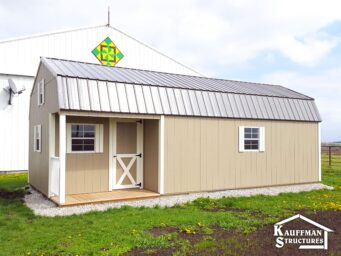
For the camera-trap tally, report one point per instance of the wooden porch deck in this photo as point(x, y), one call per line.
point(106, 197)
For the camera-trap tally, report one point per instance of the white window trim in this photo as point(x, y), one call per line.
point(41, 91)
point(36, 131)
point(261, 139)
point(99, 131)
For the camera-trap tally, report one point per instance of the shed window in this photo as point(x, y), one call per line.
point(37, 138)
point(41, 92)
point(83, 138)
point(251, 139)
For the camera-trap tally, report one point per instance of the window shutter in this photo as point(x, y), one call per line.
point(262, 139)
point(68, 138)
point(99, 138)
point(241, 138)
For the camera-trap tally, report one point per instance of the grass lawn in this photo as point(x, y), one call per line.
point(118, 231)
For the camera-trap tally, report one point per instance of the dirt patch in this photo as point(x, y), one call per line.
point(159, 231)
point(152, 252)
point(225, 209)
point(17, 194)
point(261, 242)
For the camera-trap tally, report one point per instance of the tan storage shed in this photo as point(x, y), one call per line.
point(96, 129)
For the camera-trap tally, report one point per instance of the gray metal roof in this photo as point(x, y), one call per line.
point(91, 87)
point(145, 77)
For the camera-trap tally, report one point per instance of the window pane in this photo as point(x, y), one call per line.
point(77, 134)
point(37, 144)
point(90, 128)
point(255, 130)
point(89, 141)
point(89, 147)
point(77, 142)
point(77, 148)
point(247, 130)
point(77, 127)
point(88, 134)
point(247, 147)
point(247, 135)
point(254, 135)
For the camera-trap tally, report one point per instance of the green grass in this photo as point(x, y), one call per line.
point(12, 182)
point(116, 231)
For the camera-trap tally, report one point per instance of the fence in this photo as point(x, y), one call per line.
point(331, 154)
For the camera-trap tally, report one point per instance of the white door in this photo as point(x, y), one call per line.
point(127, 154)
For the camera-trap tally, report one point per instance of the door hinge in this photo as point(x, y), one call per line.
point(139, 121)
point(139, 155)
point(139, 184)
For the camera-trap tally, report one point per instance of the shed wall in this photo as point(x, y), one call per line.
point(202, 154)
point(88, 172)
point(150, 154)
point(39, 161)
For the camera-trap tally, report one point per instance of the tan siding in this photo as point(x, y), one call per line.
point(150, 154)
point(202, 154)
point(88, 172)
point(39, 161)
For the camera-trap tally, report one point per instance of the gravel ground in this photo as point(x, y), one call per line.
point(44, 207)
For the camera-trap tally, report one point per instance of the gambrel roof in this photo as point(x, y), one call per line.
point(91, 87)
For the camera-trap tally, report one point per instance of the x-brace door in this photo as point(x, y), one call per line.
point(127, 154)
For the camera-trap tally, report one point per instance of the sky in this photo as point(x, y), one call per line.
point(292, 43)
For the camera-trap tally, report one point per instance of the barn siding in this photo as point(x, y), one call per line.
point(202, 154)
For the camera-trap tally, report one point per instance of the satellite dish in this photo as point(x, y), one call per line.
point(13, 90)
point(12, 86)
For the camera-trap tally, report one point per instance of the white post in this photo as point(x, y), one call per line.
point(319, 152)
point(51, 148)
point(112, 153)
point(161, 153)
point(62, 154)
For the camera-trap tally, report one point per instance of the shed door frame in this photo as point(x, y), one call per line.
point(113, 152)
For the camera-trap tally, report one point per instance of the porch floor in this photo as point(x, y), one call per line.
point(105, 197)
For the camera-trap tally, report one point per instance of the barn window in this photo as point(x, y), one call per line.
point(41, 92)
point(251, 139)
point(84, 138)
point(37, 138)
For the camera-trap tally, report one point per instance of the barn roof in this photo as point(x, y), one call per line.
point(91, 87)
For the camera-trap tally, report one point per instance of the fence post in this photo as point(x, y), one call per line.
point(330, 156)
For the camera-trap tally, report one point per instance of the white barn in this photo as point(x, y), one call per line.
point(19, 61)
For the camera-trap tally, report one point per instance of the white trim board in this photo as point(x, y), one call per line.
point(62, 156)
point(161, 181)
point(319, 152)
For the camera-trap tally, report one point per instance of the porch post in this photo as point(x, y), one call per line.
point(161, 153)
point(52, 138)
point(62, 152)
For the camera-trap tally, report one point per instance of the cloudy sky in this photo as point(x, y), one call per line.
point(292, 43)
